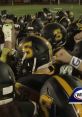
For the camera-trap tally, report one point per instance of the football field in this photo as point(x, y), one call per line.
point(31, 9)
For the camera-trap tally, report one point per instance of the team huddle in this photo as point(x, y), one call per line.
point(40, 59)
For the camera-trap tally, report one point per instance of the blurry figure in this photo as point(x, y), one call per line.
point(33, 55)
point(73, 30)
point(53, 1)
point(62, 18)
point(55, 33)
point(9, 106)
point(70, 15)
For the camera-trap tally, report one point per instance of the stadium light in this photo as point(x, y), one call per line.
point(50, 1)
point(58, 2)
point(79, 2)
point(12, 2)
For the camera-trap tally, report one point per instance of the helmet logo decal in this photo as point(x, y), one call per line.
point(58, 34)
point(27, 48)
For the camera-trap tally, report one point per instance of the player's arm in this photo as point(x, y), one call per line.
point(63, 56)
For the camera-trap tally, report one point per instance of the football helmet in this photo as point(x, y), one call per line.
point(65, 22)
point(44, 17)
point(4, 12)
point(79, 23)
point(36, 53)
point(59, 15)
point(35, 26)
point(70, 15)
point(76, 26)
point(48, 13)
point(7, 82)
point(46, 10)
point(73, 29)
point(41, 15)
point(28, 18)
point(55, 33)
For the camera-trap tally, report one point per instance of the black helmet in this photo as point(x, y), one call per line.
point(56, 34)
point(46, 10)
point(48, 13)
point(70, 15)
point(41, 15)
point(36, 52)
point(60, 14)
point(3, 12)
point(37, 25)
point(29, 18)
point(75, 27)
point(79, 23)
point(7, 82)
point(65, 22)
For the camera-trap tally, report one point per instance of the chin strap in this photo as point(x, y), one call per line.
point(34, 65)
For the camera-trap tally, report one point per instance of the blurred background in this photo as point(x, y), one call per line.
point(22, 7)
point(39, 1)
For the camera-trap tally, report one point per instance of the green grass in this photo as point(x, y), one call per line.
point(31, 9)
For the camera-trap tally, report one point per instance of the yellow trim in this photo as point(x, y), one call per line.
point(69, 91)
point(62, 19)
point(17, 87)
point(45, 101)
point(28, 44)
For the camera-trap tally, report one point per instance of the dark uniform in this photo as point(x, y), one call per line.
point(9, 106)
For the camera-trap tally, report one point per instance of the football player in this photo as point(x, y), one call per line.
point(9, 105)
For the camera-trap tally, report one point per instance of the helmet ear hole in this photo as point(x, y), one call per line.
point(37, 24)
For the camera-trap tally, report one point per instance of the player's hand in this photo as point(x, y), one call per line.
point(78, 37)
point(63, 56)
